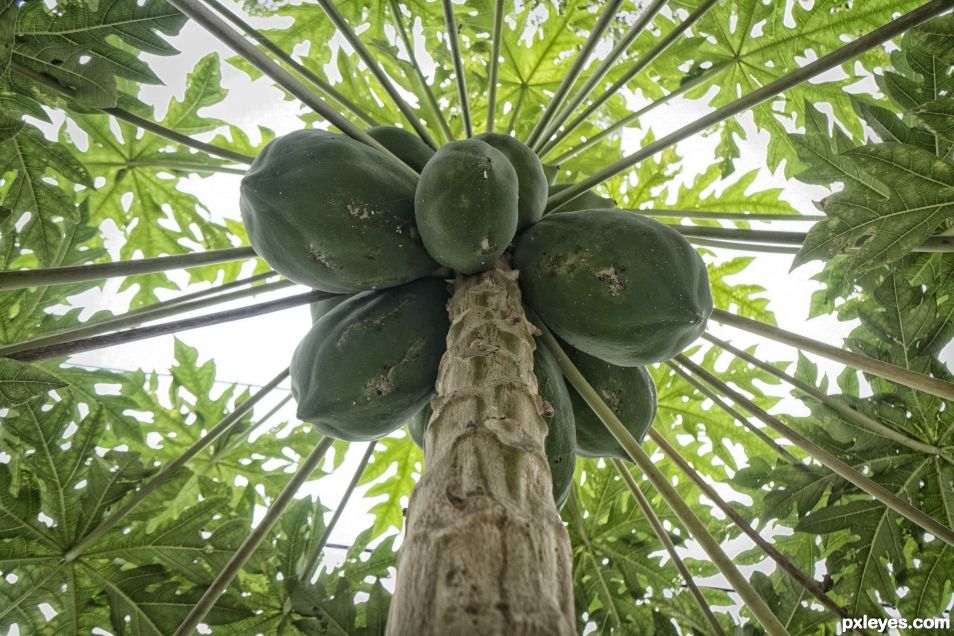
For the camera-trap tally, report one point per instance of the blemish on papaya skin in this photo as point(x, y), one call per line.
point(360, 210)
point(384, 383)
point(378, 386)
point(369, 324)
point(612, 279)
point(612, 399)
point(317, 257)
point(566, 263)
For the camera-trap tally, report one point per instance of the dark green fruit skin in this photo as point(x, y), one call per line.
point(560, 443)
point(628, 391)
point(407, 146)
point(416, 425)
point(614, 284)
point(333, 214)
point(371, 362)
point(321, 307)
point(466, 205)
point(531, 179)
point(589, 200)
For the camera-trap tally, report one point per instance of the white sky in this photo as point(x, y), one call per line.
point(252, 351)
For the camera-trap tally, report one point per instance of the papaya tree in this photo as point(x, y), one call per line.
point(538, 334)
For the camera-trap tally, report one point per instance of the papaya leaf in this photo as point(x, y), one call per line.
point(79, 26)
point(32, 195)
point(920, 200)
point(406, 457)
point(937, 37)
point(8, 21)
point(21, 382)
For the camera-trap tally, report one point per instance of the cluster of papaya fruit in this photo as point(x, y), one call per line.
point(339, 215)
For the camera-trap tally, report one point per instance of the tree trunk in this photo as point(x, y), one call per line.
point(485, 552)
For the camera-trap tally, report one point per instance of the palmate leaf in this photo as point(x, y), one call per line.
point(79, 26)
point(615, 566)
point(8, 21)
point(407, 459)
point(60, 489)
point(682, 410)
point(937, 38)
point(142, 197)
point(905, 323)
point(783, 39)
point(920, 200)
point(27, 312)
point(790, 603)
point(194, 402)
point(34, 195)
point(823, 153)
point(20, 382)
point(91, 82)
point(144, 602)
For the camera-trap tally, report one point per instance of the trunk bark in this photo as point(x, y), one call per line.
point(485, 552)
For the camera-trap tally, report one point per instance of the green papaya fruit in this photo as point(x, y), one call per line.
point(614, 284)
point(371, 362)
point(332, 213)
point(589, 200)
point(628, 391)
point(466, 205)
point(560, 443)
point(417, 424)
point(321, 307)
point(531, 178)
point(404, 144)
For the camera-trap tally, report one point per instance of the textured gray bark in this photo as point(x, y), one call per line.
point(485, 551)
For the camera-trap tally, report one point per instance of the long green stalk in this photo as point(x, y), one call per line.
point(800, 577)
point(203, 293)
point(137, 317)
point(345, 29)
point(166, 328)
point(731, 216)
point(277, 51)
point(684, 88)
point(237, 42)
point(851, 415)
point(24, 278)
point(644, 20)
point(436, 110)
point(763, 615)
point(644, 60)
point(521, 98)
point(741, 419)
point(172, 468)
point(664, 539)
point(836, 465)
point(607, 13)
point(308, 570)
point(880, 368)
point(743, 247)
point(253, 541)
point(494, 65)
point(452, 41)
point(130, 118)
point(237, 440)
point(170, 164)
point(940, 243)
point(759, 95)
